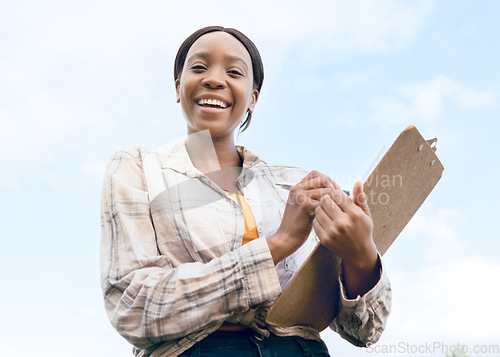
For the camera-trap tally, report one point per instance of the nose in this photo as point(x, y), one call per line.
point(213, 80)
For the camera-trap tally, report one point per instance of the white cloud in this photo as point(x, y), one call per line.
point(37, 127)
point(320, 31)
point(442, 292)
point(354, 26)
point(447, 299)
point(437, 231)
point(425, 102)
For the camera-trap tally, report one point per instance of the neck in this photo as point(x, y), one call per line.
point(211, 154)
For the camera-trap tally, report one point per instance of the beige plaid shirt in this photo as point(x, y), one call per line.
point(172, 265)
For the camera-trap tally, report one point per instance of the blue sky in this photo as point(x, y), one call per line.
point(80, 80)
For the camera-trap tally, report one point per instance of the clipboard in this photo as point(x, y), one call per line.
point(395, 190)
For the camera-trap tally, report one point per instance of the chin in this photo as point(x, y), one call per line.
point(216, 129)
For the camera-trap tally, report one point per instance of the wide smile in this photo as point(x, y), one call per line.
point(213, 104)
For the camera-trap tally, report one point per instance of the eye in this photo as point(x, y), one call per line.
point(198, 68)
point(235, 73)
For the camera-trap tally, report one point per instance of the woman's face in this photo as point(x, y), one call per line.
point(216, 85)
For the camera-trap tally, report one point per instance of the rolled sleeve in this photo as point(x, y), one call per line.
point(362, 320)
point(260, 278)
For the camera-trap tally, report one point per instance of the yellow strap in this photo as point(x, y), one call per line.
point(250, 225)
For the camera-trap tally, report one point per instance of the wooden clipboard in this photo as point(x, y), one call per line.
point(395, 190)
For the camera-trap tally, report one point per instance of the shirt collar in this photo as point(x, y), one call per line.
point(176, 157)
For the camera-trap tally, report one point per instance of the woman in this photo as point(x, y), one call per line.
point(200, 238)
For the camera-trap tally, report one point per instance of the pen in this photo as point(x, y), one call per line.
point(288, 185)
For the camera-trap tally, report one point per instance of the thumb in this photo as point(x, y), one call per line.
point(360, 198)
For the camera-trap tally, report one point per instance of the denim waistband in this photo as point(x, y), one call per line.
point(249, 343)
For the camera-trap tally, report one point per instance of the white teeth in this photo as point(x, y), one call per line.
point(212, 102)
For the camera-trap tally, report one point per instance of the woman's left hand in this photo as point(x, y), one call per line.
point(344, 226)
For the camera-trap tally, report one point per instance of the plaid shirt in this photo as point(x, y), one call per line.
point(172, 265)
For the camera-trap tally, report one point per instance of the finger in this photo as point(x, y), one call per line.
point(318, 181)
point(326, 228)
point(343, 201)
point(309, 176)
point(330, 207)
point(303, 200)
point(359, 198)
point(337, 187)
point(319, 229)
point(317, 193)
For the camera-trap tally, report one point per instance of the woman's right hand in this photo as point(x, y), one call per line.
point(303, 199)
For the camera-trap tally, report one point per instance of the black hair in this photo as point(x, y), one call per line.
point(257, 66)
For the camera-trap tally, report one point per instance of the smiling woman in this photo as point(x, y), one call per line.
point(216, 86)
point(256, 67)
point(199, 239)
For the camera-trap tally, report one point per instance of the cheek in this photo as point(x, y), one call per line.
point(185, 86)
point(245, 94)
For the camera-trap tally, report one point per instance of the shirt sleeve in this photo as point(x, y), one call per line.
point(147, 299)
point(361, 321)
